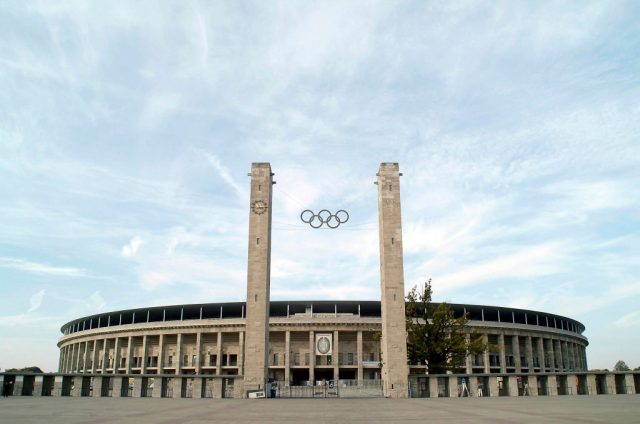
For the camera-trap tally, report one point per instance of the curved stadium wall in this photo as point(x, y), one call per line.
point(208, 339)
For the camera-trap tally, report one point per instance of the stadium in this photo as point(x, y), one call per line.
point(264, 348)
point(205, 344)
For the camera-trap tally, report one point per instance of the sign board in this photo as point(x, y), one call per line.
point(324, 344)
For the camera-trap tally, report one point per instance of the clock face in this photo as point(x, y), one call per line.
point(258, 207)
point(324, 345)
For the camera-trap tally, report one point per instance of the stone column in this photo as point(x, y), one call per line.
point(529, 355)
point(63, 358)
point(515, 347)
point(160, 355)
point(145, 342)
point(137, 387)
point(611, 384)
point(179, 354)
point(591, 384)
point(394, 342)
point(287, 358)
point(39, 380)
point(217, 388)
point(56, 390)
point(540, 347)
point(197, 387)
point(433, 387)
point(453, 386)
point(258, 278)
point(485, 340)
point(312, 358)
point(77, 386)
point(130, 356)
point(219, 354)
point(559, 356)
point(241, 353)
point(494, 390)
point(117, 386)
point(334, 357)
point(177, 387)
point(97, 386)
point(75, 360)
point(199, 355)
point(94, 357)
point(17, 385)
point(468, 362)
point(105, 357)
point(360, 358)
point(628, 381)
point(116, 357)
point(85, 361)
point(533, 385)
point(572, 384)
point(503, 355)
point(552, 355)
point(473, 385)
point(513, 385)
point(552, 385)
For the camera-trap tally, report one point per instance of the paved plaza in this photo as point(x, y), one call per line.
point(582, 409)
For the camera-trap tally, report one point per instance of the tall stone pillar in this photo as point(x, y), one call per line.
point(145, 346)
point(258, 278)
point(105, 357)
point(179, 354)
point(515, 348)
point(199, 354)
point(529, 354)
point(287, 358)
point(485, 340)
point(219, 353)
point(116, 355)
point(160, 354)
point(394, 334)
point(94, 359)
point(360, 357)
point(312, 358)
point(335, 355)
point(503, 354)
point(129, 354)
point(550, 349)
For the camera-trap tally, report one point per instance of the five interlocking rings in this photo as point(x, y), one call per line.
point(324, 217)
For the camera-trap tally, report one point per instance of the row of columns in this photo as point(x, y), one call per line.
point(555, 384)
point(75, 357)
point(569, 356)
point(523, 385)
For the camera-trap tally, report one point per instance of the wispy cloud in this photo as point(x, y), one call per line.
point(35, 301)
point(130, 249)
point(630, 320)
point(39, 268)
point(224, 173)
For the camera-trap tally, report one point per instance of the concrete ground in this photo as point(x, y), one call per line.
point(562, 409)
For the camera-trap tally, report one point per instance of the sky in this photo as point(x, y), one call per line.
point(127, 130)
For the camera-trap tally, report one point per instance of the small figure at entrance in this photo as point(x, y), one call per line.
point(480, 386)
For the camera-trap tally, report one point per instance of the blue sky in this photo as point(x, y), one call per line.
point(127, 130)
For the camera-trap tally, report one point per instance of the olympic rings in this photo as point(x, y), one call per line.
point(324, 217)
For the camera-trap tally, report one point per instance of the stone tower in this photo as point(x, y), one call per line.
point(394, 338)
point(258, 278)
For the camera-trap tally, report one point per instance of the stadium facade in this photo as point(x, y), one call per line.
point(313, 348)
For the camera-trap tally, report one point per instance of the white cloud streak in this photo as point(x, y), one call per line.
point(35, 301)
point(39, 268)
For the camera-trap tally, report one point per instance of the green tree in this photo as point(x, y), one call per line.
point(436, 337)
point(621, 366)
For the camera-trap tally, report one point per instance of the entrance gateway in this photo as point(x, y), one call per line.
point(394, 371)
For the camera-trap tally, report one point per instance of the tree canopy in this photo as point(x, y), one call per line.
point(621, 366)
point(435, 336)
